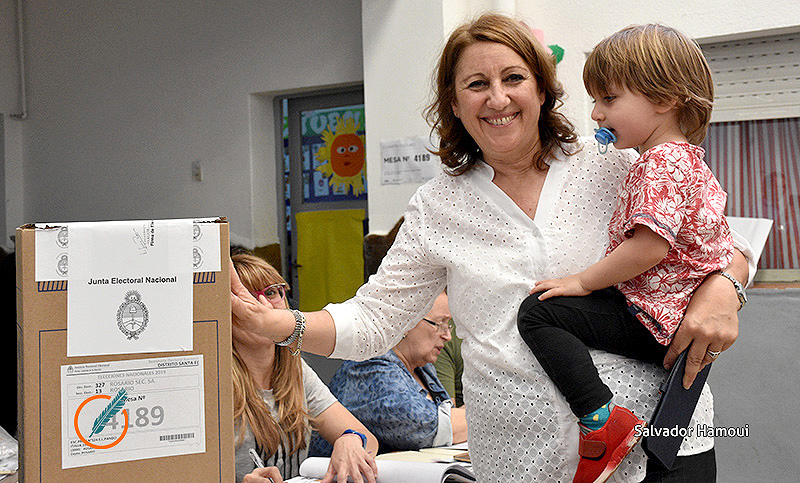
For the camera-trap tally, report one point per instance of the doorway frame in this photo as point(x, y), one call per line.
point(302, 101)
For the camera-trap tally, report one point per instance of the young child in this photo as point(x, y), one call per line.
point(653, 91)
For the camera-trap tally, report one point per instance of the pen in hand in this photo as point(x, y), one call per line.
point(258, 462)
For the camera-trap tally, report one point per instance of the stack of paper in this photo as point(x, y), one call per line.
point(394, 471)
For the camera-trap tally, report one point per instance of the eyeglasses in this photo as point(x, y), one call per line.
point(273, 293)
point(441, 327)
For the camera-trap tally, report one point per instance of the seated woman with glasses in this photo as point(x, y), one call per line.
point(277, 399)
point(398, 396)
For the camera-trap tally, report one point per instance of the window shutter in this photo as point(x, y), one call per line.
point(755, 78)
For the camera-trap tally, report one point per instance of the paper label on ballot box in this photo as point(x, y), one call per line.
point(130, 287)
point(131, 410)
point(130, 282)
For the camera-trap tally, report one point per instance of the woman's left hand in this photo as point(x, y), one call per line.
point(349, 458)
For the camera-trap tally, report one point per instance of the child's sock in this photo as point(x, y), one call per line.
point(595, 419)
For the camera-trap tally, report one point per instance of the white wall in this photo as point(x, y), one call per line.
point(401, 40)
point(10, 134)
point(409, 37)
point(123, 96)
point(8, 48)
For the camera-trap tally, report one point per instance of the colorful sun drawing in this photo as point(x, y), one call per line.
point(343, 153)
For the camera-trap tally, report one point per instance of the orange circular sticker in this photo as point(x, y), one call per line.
point(99, 446)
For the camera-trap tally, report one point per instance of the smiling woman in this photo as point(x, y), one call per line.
point(523, 64)
point(498, 101)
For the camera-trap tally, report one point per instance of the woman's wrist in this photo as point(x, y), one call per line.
point(740, 293)
point(362, 436)
point(721, 290)
point(716, 295)
point(739, 267)
point(280, 325)
point(299, 327)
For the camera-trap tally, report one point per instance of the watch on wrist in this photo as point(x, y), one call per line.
point(736, 284)
point(362, 436)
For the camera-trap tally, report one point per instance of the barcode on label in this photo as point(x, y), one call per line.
point(175, 437)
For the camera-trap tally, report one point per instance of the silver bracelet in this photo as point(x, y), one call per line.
point(299, 327)
point(296, 352)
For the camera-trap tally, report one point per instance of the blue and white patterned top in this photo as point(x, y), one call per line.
point(383, 395)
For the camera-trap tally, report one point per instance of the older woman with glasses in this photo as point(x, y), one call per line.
point(398, 396)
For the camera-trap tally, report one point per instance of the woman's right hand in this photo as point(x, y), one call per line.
point(263, 475)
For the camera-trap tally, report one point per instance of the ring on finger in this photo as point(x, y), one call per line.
point(713, 354)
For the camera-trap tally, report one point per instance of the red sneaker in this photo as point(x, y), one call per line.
point(602, 451)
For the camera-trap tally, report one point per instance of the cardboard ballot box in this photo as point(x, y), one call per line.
point(113, 412)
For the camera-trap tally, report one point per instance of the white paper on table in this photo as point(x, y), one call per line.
point(399, 471)
point(129, 287)
point(459, 446)
point(408, 160)
point(163, 407)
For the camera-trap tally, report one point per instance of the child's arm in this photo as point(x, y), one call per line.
point(643, 250)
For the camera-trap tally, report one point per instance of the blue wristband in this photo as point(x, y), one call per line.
point(363, 437)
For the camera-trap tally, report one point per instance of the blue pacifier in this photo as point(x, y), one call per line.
point(604, 137)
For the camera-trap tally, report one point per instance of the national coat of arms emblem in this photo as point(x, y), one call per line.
point(132, 315)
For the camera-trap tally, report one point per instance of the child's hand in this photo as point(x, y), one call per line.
point(566, 287)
